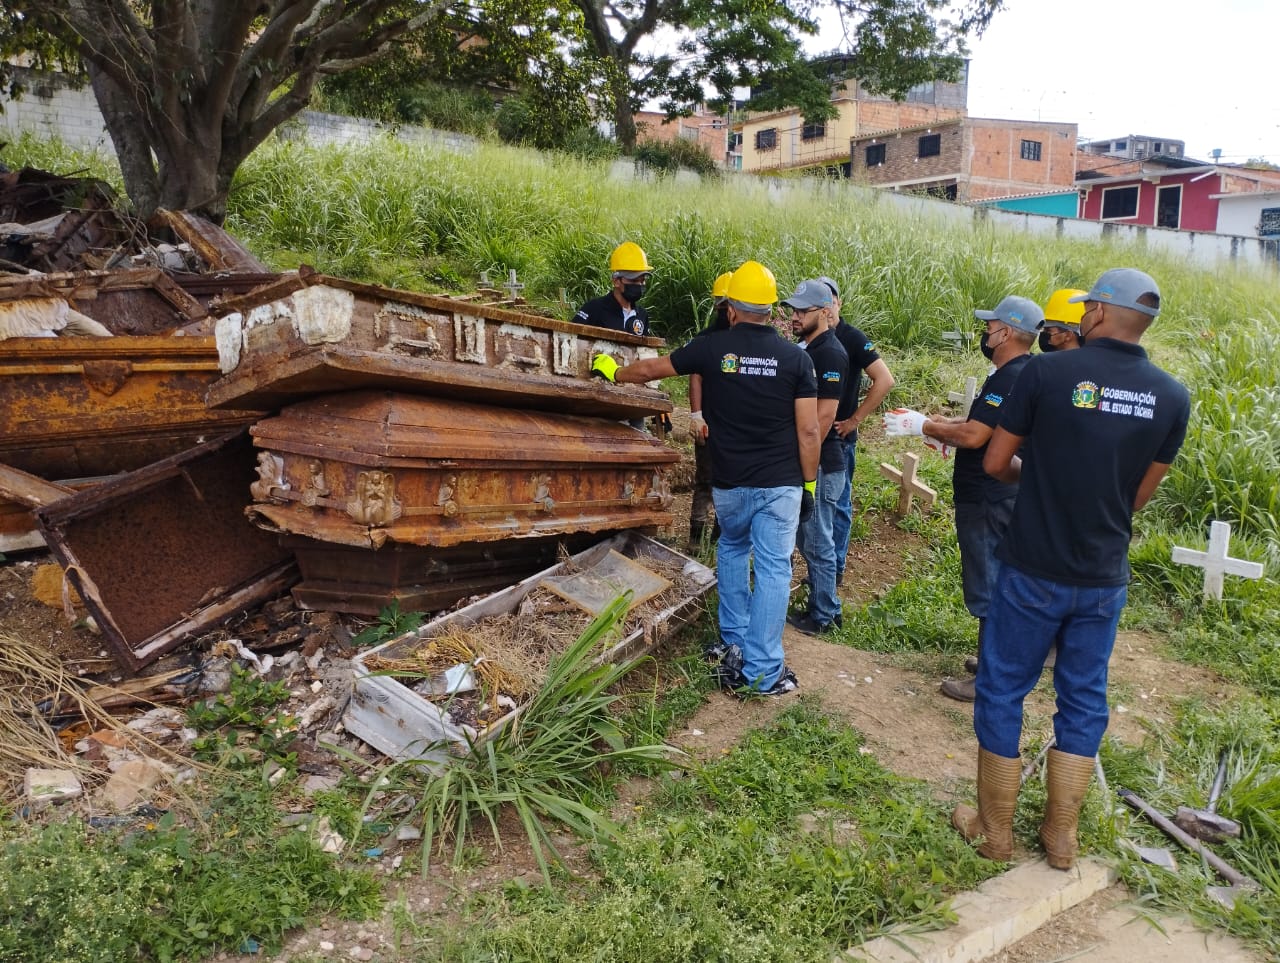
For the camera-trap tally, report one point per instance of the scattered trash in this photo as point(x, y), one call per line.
point(43, 787)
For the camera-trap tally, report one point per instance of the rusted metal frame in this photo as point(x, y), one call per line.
point(451, 508)
point(289, 284)
point(321, 367)
point(111, 349)
point(30, 491)
point(212, 244)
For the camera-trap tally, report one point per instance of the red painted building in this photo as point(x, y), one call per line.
point(1166, 192)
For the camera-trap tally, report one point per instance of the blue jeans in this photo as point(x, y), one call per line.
point(817, 545)
point(1027, 615)
point(759, 522)
point(980, 526)
point(842, 524)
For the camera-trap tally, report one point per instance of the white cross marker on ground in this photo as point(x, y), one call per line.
point(513, 286)
point(908, 483)
point(1215, 562)
point(965, 398)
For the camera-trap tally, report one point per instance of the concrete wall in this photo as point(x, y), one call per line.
point(1240, 213)
point(53, 109)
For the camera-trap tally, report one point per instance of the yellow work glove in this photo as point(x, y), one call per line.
point(807, 499)
point(603, 366)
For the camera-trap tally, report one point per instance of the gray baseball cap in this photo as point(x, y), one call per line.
point(835, 288)
point(1020, 313)
point(808, 295)
point(1122, 287)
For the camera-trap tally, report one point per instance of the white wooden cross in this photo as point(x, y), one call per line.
point(909, 485)
point(1215, 562)
point(965, 398)
point(513, 286)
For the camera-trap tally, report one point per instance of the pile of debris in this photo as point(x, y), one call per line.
point(193, 445)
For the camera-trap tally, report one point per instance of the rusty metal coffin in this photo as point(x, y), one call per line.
point(369, 467)
point(310, 334)
point(165, 553)
point(86, 406)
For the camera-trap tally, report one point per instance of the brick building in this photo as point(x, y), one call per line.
point(781, 140)
point(709, 130)
point(968, 158)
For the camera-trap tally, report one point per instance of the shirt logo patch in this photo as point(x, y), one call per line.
point(637, 326)
point(729, 364)
point(1085, 395)
point(993, 399)
point(831, 376)
point(868, 346)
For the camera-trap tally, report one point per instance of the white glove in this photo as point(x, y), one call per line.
point(901, 422)
point(698, 425)
point(940, 447)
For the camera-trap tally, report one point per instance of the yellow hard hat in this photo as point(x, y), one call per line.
point(752, 283)
point(721, 288)
point(628, 256)
point(1061, 311)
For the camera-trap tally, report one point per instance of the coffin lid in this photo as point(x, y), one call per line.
point(368, 427)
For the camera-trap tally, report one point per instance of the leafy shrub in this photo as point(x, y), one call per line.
point(448, 108)
point(669, 156)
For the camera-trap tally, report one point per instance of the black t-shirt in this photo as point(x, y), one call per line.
point(831, 365)
point(969, 482)
point(751, 378)
point(862, 355)
point(1094, 420)
point(606, 312)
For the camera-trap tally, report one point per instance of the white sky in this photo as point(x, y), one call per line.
point(1202, 72)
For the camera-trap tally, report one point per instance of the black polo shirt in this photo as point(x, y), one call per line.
point(606, 312)
point(969, 483)
point(751, 378)
point(1094, 421)
point(862, 355)
point(831, 365)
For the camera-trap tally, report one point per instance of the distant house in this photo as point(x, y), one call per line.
point(709, 130)
point(1253, 214)
point(968, 158)
point(1061, 203)
point(1136, 147)
point(1172, 192)
point(782, 141)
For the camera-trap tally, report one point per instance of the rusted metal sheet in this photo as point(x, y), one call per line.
point(217, 249)
point(164, 553)
point(310, 334)
point(54, 223)
point(19, 494)
point(369, 467)
point(340, 578)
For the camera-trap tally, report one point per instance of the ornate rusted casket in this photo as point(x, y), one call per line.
point(309, 334)
point(454, 497)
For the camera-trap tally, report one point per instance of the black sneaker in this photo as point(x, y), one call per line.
point(808, 624)
point(715, 652)
point(728, 671)
point(787, 682)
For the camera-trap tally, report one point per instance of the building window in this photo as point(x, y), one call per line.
point(1120, 145)
point(875, 154)
point(767, 139)
point(813, 131)
point(1269, 222)
point(930, 145)
point(1031, 150)
point(735, 140)
point(1157, 147)
point(1119, 202)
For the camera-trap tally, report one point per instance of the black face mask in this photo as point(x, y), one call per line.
point(984, 345)
point(632, 293)
point(1045, 343)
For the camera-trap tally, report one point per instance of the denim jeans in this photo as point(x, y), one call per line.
point(818, 547)
point(1027, 614)
point(979, 527)
point(759, 522)
point(842, 524)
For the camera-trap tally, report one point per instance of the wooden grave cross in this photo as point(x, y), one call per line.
point(513, 287)
point(965, 398)
point(909, 485)
point(1215, 562)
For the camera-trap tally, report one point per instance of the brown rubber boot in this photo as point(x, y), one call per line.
point(961, 690)
point(1067, 777)
point(999, 779)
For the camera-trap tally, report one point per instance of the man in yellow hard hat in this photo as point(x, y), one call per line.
point(620, 309)
point(700, 512)
point(759, 398)
point(1061, 331)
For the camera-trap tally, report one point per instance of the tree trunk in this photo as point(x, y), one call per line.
point(624, 118)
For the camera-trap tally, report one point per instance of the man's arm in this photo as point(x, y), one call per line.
point(826, 414)
point(808, 435)
point(1001, 461)
point(881, 384)
point(1150, 481)
point(958, 434)
point(648, 369)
